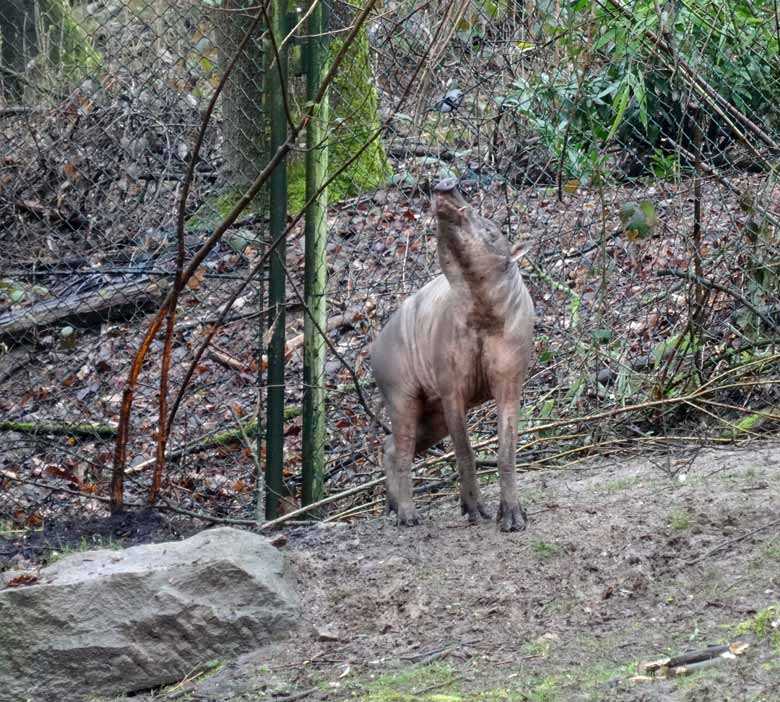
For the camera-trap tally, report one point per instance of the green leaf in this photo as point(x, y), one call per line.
point(640, 93)
point(647, 208)
point(639, 219)
point(607, 37)
point(748, 423)
point(547, 409)
point(16, 295)
point(240, 240)
point(620, 104)
point(603, 336)
point(667, 345)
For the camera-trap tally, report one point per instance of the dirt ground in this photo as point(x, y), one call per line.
point(624, 561)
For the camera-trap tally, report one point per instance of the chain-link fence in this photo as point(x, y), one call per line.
point(627, 150)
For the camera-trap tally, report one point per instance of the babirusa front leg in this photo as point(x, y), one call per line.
point(511, 516)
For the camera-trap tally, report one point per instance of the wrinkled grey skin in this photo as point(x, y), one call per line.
point(466, 337)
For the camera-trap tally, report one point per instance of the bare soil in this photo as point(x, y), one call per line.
point(624, 561)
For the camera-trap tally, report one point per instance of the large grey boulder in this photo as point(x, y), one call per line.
point(109, 622)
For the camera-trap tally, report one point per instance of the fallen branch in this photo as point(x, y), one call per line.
point(347, 319)
point(110, 302)
point(321, 503)
point(91, 431)
point(167, 507)
point(8, 475)
point(212, 439)
point(226, 360)
point(403, 150)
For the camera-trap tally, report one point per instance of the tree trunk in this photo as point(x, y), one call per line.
point(19, 45)
point(243, 116)
point(353, 118)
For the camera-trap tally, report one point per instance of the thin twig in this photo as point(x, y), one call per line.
point(705, 282)
point(731, 542)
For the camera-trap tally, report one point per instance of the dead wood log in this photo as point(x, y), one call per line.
point(212, 439)
point(90, 431)
point(227, 360)
point(402, 150)
point(115, 301)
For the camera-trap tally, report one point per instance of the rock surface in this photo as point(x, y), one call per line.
point(109, 622)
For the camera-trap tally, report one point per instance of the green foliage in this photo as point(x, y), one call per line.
point(748, 424)
point(680, 520)
point(665, 166)
point(765, 625)
point(14, 292)
point(771, 551)
point(614, 84)
point(216, 206)
point(423, 683)
point(544, 551)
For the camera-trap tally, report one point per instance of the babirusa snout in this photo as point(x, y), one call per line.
point(446, 186)
point(450, 206)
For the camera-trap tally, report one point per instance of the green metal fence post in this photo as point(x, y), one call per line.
point(277, 78)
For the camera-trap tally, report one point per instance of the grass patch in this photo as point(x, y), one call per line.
point(540, 648)
point(93, 543)
point(771, 551)
point(542, 690)
point(680, 520)
point(765, 625)
point(613, 487)
point(441, 682)
point(9, 528)
point(544, 551)
point(437, 682)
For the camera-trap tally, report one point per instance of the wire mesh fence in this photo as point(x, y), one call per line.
point(627, 151)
